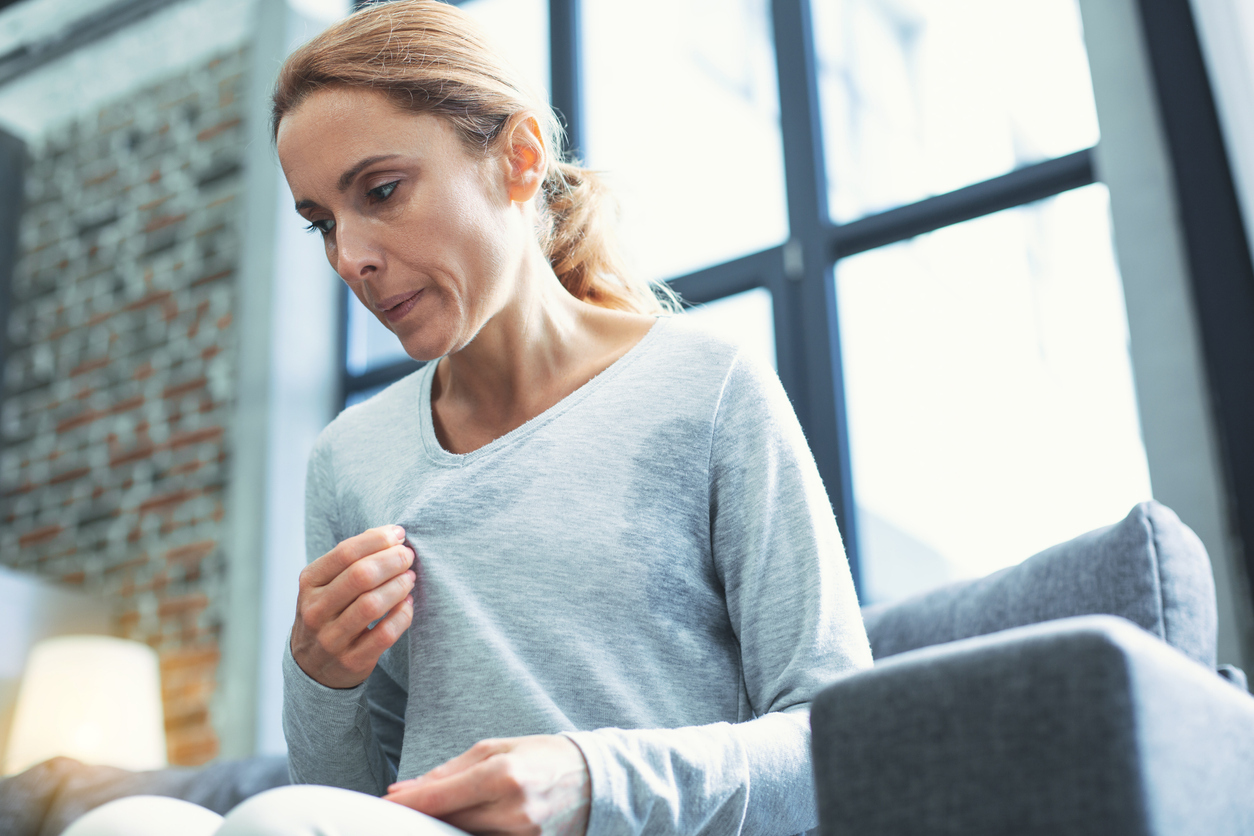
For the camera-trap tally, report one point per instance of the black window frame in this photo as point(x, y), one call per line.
point(799, 273)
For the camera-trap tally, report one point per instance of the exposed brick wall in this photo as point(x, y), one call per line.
point(119, 389)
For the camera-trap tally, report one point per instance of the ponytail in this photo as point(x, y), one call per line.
point(578, 217)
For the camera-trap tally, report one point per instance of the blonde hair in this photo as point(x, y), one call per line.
point(430, 57)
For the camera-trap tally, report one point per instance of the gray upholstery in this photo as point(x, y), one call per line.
point(1080, 726)
point(1150, 569)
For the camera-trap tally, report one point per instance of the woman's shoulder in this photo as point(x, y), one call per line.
point(742, 370)
point(691, 348)
point(384, 408)
point(685, 341)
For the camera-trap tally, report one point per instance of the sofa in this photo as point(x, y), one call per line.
point(1074, 693)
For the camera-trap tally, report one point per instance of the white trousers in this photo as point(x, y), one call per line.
point(300, 810)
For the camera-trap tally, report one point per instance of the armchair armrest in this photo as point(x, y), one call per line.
point(1081, 726)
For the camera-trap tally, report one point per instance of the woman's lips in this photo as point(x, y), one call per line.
point(397, 312)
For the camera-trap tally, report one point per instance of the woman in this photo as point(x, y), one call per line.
point(578, 574)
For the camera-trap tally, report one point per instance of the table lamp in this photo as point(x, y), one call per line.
point(93, 698)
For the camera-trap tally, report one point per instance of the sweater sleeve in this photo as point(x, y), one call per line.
point(350, 737)
point(792, 605)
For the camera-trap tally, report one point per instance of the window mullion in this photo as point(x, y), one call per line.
point(566, 71)
point(806, 322)
point(1024, 185)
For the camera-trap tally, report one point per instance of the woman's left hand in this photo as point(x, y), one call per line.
point(507, 785)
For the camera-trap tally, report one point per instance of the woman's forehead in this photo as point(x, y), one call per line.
point(335, 124)
point(348, 108)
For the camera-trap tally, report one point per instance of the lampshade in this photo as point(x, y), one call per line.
point(93, 698)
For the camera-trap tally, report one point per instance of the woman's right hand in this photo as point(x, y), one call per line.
point(363, 579)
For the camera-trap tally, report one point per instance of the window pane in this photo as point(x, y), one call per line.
point(925, 96)
point(520, 30)
point(683, 114)
point(747, 319)
point(990, 394)
point(370, 345)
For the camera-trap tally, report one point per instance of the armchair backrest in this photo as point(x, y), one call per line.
point(1150, 568)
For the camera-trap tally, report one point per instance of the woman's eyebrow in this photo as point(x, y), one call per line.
point(346, 179)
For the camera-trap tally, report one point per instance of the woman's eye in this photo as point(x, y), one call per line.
point(383, 192)
point(321, 226)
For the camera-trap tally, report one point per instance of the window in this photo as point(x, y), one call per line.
point(915, 242)
point(911, 109)
point(991, 407)
point(689, 137)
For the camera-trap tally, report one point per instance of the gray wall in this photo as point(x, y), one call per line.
point(1172, 391)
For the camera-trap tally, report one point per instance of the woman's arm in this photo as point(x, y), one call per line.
point(726, 778)
point(791, 602)
point(342, 710)
point(336, 737)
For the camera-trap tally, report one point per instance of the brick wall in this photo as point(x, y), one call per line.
point(116, 417)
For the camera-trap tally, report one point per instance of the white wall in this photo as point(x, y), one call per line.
point(1226, 29)
point(1172, 392)
point(289, 312)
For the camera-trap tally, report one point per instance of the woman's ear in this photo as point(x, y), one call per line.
point(527, 158)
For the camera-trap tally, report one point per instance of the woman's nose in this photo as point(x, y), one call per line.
point(356, 256)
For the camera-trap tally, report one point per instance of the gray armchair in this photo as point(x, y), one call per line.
point(1028, 703)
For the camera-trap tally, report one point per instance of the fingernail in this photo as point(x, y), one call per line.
point(398, 532)
point(409, 600)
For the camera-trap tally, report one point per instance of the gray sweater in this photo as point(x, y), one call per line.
point(650, 567)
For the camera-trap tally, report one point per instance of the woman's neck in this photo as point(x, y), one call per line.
point(541, 346)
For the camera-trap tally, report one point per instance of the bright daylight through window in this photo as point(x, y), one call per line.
point(988, 389)
point(683, 115)
point(991, 408)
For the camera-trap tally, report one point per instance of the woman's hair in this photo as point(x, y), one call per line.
point(429, 57)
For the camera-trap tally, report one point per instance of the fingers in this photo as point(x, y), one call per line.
point(341, 619)
point(364, 580)
point(368, 574)
point(374, 604)
point(331, 565)
point(481, 783)
point(478, 753)
point(521, 784)
point(363, 655)
point(372, 580)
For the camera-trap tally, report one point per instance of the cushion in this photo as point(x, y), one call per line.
point(1150, 569)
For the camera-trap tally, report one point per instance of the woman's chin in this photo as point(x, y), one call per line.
point(425, 356)
point(424, 349)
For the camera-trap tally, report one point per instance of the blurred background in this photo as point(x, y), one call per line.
point(998, 253)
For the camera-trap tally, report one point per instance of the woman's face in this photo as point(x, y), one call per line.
point(423, 230)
